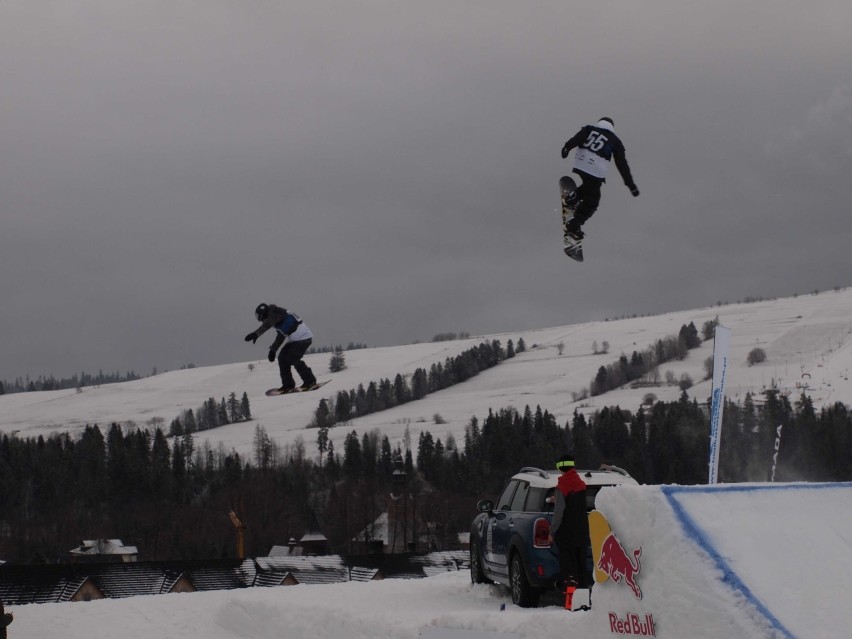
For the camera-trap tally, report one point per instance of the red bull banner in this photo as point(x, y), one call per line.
point(721, 346)
point(621, 566)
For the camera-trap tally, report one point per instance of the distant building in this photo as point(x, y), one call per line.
point(104, 549)
point(292, 549)
point(399, 529)
point(87, 581)
point(312, 543)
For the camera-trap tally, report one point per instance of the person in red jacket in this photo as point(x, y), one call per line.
point(596, 145)
point(570, 529)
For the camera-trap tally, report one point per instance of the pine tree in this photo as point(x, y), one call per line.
point(419, 384)
point(222, 413)
point(234, 415)
point(612, 436)
point(370, 452)
point(585, 451)
point(337, 362)
point(387, 397)
point(401, 392)
point(245, 409)
point(322, 442)
point(211, 413)
point(385, 458)
point(425, 454)
point(361, 404)
point(116, 461)
point(636, 460)
point(322, 415)
point(342, 407)
point(160, 467)
point(263, 449)
point(92, 462)
point(600, 384)
point(189, 423)
point(352, 461)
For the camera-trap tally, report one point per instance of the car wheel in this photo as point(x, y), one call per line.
point(523, 594)
point(477, 574)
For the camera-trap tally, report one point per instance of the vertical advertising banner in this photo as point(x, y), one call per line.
point(721, 346)
point(775, 454)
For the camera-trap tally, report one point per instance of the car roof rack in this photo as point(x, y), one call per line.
point(614, 469)
point(535, 471)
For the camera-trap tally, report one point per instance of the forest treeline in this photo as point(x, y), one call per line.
point(212, 414)
point(49, 382)
point(170, 497)
point(640, 363)
point(383, 394)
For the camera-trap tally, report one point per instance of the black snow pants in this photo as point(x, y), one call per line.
point(291, 355)
point(589, 195)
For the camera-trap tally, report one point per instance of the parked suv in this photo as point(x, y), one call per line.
point(509, 542)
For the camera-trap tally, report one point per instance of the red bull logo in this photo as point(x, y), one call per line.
point(619, 565)
point(632, 624)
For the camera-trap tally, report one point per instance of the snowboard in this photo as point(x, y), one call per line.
point(573, 248)
point(274, 391)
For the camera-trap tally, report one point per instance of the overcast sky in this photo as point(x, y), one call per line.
point(389, 170)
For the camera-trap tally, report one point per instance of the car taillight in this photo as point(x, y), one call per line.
point(541, 533)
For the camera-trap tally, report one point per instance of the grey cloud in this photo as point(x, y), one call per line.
point(389, 170)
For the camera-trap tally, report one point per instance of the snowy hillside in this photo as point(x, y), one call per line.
point(806, 340)
point(710, 555)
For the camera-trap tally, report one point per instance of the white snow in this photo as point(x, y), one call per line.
point(745, 561)
point(732, 561)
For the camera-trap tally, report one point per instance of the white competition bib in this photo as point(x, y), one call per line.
point(590, 162)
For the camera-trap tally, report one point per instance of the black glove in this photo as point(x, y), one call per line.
point(634, 191)
point(271, 356)
point(251, 337)
point(565, 150)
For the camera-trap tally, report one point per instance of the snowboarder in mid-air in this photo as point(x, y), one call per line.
point(596, 145)
point(290, 327)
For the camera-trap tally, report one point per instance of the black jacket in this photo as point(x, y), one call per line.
point(605, 144)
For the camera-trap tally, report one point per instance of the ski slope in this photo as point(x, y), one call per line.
point(732, 561)
point(739, 561)
point(806, 340)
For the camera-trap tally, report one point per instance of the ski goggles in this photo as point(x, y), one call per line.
point(564, 465)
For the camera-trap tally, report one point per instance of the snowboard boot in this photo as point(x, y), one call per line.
point(308, 386)
point(569, 597)
point(571, 200)
point(286, 389)
point(573, 230)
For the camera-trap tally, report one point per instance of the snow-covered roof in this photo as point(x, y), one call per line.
point(313, 536)
point(104, 547)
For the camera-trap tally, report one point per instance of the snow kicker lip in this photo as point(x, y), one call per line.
point(697, 534)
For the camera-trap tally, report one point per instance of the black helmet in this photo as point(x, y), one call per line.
point(565, 463)
point(261, 312)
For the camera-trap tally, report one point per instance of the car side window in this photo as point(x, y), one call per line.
point(591, 493)
point(506, 498)
point(520, 497)
point(549, 501)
